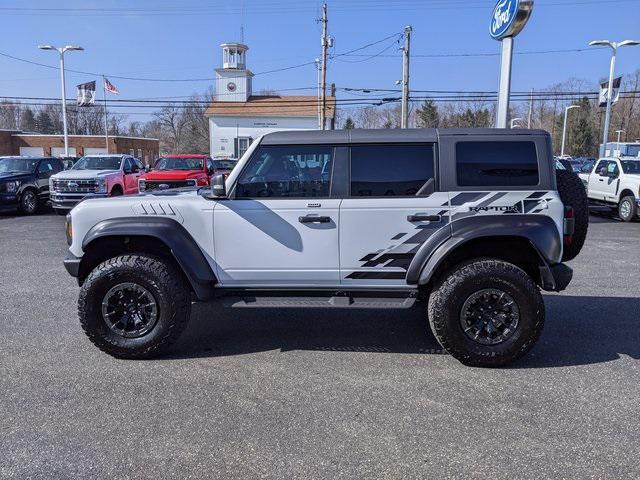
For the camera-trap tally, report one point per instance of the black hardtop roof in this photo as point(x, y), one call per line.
point(413, 135)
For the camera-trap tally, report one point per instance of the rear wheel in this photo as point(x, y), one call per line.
point(486, 313)
point(134, 306)
point(628, 208)
point(573, 194)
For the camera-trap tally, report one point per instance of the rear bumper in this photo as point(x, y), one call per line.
point(72, 264)
point(555, 278)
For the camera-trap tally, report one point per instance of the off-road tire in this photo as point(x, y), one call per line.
point(29, 202)
point(632, 208)
point(573, 194)
point(450, 293)
point(161, 279)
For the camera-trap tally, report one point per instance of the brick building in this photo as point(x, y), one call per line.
point(14, 142)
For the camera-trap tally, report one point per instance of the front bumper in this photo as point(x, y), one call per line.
point(72, 264)
point(66, 201)
point(9, 202)
point(555, 278)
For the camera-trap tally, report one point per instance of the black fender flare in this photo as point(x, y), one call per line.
point(184, 248)
point(540, 230)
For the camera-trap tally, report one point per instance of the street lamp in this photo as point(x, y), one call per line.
point(514, 120)
point(61, 51)
point(614, 49)
point(564, 126)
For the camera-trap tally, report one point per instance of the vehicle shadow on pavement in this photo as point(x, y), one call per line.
point(578, 331)
point(586, 330)
point(219, 330)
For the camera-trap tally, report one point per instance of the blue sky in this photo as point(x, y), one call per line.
point(180, 39)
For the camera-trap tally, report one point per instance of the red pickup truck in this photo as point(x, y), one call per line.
point(181, 170)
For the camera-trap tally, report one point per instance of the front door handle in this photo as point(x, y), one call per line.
point(424, 218)
point(314, 219)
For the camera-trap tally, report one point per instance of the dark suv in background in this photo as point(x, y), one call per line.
point(24, 182)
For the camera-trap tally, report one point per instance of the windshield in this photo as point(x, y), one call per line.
point(179, 164)
point(224, 164)
point(98, 163)
point(18, 164)
point(631, 166)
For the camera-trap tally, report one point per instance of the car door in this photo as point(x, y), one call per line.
point(46, 168)
point(603, 186)
point(280, 225)
point(131, 175)
point(392, 208)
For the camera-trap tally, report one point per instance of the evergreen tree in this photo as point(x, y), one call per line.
point(43, 122)
point(349, 124)
point(581, 141)
point(427, 116)
point(28, 120)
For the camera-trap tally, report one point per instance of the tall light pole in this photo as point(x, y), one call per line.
point(614, 49)
point(62, 51)
point(514, 120)
point(564, 127)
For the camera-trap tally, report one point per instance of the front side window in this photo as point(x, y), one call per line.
point(98, 163)
point(496, 164)
point(172, 163)
point(296, 171)
point(392, 170)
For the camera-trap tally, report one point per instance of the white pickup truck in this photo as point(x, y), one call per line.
point(614, 182)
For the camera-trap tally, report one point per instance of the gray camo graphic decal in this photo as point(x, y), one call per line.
point(461, 205)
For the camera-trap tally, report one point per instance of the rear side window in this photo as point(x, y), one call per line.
point(391, 170)
point(496, 164)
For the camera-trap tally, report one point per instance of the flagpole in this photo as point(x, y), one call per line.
point(106, 125)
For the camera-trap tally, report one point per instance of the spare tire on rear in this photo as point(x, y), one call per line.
point(573, 194)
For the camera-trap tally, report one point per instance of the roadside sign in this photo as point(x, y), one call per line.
point(509, 18)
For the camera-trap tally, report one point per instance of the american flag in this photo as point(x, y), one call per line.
point(110, 87)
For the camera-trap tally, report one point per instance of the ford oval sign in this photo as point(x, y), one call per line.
point(509, 18)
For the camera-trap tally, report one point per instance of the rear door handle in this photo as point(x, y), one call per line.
point(314, 219)
point(424, 218)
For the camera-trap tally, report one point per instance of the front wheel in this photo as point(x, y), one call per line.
point(486, 313)
point(28, 202)
point(628, 208)
point(134, 306)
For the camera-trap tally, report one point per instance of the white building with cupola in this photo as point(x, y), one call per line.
point(237, 117)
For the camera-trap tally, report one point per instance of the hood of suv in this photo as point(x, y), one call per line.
point(81, 174)
point(172, 174)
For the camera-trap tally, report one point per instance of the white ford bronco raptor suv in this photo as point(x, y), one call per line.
point(471, 222)
point(614, 183)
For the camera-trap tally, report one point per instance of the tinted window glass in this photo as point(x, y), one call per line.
point(390, 170)
point(496, 164)
point(293, 171)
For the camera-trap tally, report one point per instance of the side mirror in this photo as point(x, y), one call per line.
point(210, 171)
point(147, 168)
point(218, 187)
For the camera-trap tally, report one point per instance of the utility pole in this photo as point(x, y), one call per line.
point(323, 74)
point(530, 109)
point(406, 52)
point(333, 118)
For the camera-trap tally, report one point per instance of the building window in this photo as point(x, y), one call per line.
point(242, 145)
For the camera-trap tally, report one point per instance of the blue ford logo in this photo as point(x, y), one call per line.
point(504, 15)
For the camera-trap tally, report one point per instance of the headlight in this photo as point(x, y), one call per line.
point(142, 185)
point(12, 187)
point(69, 229)
point(101, 185)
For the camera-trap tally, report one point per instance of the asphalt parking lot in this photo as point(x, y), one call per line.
point(310, 394)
